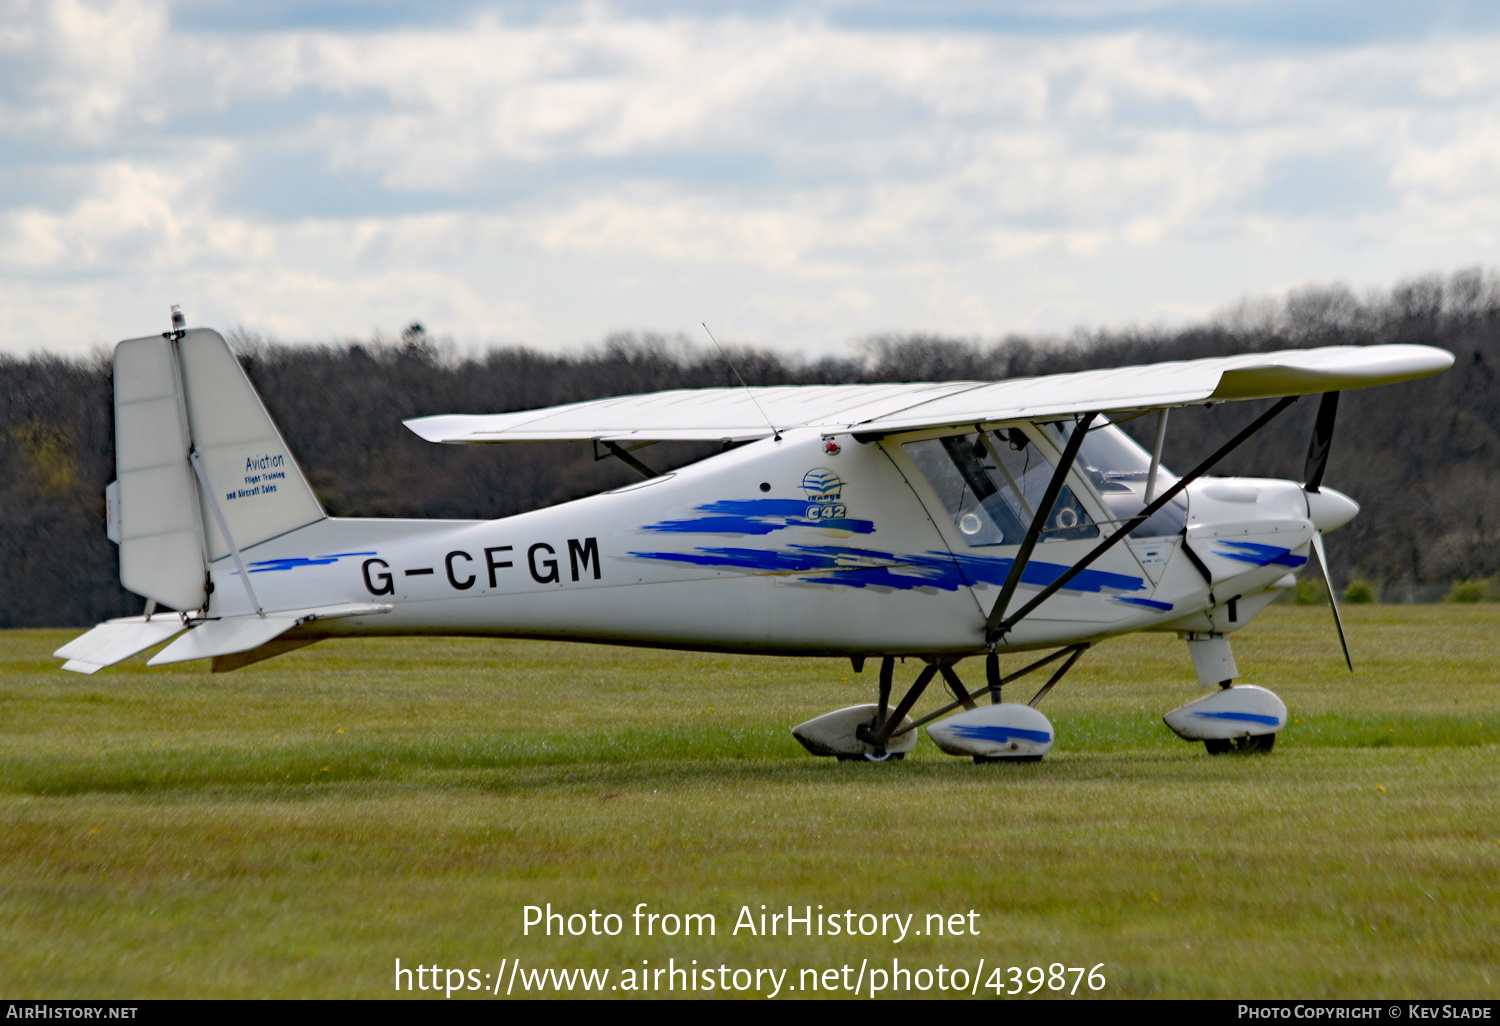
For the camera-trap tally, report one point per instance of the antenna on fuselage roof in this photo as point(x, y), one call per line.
point(775, 434)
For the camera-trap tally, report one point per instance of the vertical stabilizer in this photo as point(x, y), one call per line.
point(176, 396)
point(259, 488)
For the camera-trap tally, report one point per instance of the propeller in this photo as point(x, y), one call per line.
point(1322, 443)
point(1317, 544)
point(1326, 509)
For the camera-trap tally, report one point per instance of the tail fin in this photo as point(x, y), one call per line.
point(180, 396)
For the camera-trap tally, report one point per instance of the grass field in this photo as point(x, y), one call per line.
point(293, 828)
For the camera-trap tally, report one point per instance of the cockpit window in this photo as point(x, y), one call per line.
point(1117, 467)
point(990, 484)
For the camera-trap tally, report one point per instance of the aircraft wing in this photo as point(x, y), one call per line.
point(730, 414)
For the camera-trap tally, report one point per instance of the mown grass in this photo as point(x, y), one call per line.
point(292, 828)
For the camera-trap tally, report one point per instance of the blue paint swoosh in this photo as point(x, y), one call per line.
point(1165, 607)
point(1000, 734)
point(754, 517)
point(262, 566)
point(1240, 717)
point(1260, 555)
point(994, 570)
point(871, 568)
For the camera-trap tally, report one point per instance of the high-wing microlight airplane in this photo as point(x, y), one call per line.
point(939, 521)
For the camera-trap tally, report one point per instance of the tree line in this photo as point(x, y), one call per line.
point(1422, 458)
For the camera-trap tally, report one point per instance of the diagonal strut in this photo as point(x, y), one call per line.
point(1039, 520)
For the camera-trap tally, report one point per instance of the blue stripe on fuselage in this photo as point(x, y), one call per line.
point(293, 562)
point(754, 517)
point(867, 568)
point(1163, 607)
point(1259, 555)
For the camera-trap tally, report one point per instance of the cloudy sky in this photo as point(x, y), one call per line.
point(798, 175)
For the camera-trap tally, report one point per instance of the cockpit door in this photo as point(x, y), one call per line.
point(982, 488)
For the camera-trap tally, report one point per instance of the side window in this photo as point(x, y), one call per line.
point(990, 484)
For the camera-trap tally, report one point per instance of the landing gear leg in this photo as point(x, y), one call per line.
point(882, 717)
point(887, 671)
point(876, 732)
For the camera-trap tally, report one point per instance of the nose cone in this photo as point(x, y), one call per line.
point(1329, 509)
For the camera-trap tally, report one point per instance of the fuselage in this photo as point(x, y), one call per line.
point(810, 544)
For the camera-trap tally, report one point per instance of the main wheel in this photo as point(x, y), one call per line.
point(1252, 743)
point(1255, 743)
point(871, 757)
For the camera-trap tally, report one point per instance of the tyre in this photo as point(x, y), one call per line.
point(1256, 743)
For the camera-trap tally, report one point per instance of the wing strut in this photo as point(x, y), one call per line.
point(1156, 448)
point(994, 632)
point(1038, 521)
point(622, 454)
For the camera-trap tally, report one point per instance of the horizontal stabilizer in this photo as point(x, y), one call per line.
point(222, 637)
point(117, 640)
point(211, 638)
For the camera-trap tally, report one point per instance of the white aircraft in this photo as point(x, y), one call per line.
point(938, 521)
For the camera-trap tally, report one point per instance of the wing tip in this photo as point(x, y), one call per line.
point(1330, 369)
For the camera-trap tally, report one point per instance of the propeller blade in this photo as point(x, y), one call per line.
point(1322, 554)
point(1322, 442)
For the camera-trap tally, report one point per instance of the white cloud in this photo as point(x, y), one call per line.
point(80, 64)
point(798, 182)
